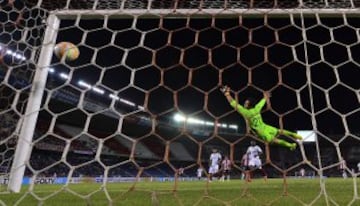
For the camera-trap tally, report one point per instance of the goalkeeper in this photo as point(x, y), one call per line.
point(253, 116)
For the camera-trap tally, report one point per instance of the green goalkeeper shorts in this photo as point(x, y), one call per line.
point(267, 132)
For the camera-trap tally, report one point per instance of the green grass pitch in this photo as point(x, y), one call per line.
point(236, 192)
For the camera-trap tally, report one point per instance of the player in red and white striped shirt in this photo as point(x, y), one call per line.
point(226, 168)
point(245, 166)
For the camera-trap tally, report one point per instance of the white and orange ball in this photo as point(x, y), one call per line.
point(66, 50)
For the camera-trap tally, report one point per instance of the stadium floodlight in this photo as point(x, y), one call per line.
point(64, 76)
point(113, 96)
point(18, 56)
point(98, 90)
point(222, 125)
point(190, 120)
point(127, 102)
point(9, 52)
point(233, 126)
point(179, 118)
point(84, 84)
point(209, 123)
point(194, 121)
point(51, 70)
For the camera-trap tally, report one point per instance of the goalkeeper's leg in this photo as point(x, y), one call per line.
point(291, 146)
point(291, 134)
point(270, 134)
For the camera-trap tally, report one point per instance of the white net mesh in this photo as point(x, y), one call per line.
point(142, 102)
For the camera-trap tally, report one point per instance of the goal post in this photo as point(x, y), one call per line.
point(24, 142)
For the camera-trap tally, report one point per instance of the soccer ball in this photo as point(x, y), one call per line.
point(66, 50)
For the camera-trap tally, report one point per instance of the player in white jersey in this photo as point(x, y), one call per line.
point(302, 172)
point(199, 172)
point(254, 152)
point(342, 168)
point(225, 168)
point(214, 160)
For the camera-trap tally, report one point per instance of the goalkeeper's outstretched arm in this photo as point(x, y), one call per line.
point(267, 96)
point(233, 103)
point(226, 91)
point(262, 102)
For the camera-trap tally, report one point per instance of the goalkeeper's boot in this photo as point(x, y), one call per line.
point(293, 146)
point(297, 136)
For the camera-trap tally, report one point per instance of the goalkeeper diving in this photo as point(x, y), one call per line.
point(253, 116)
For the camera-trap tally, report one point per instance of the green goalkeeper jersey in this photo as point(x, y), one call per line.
point(253, 115)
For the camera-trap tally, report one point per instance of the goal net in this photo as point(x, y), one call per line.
point(133, 119)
